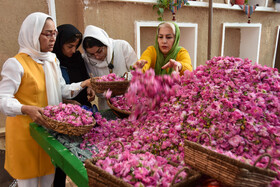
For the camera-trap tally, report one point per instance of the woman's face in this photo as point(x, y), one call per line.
point(68, 49)
point(98, 53)
point(48, 36)
point(166, 39)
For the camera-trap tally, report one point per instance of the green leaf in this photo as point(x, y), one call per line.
point(161, 10)
point(131, 68)
point(159, 13)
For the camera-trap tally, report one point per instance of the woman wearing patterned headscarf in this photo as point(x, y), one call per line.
point(30, 81)
point(166, 55)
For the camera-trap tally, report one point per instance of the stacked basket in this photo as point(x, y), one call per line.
point(117, 87)
point(66, 128)
point(227, 170)
point(99, 177)
point(120, 113)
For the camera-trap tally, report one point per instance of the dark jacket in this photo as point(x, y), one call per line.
point(73, 69)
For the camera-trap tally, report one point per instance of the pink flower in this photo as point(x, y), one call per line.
point(69, 113)
point(109, 170)
point(108, 94)
point(235, 141)
point(165, 144)
point(235, 102)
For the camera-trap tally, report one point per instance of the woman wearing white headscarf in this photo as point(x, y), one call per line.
point(30, 81)
point(104, 55)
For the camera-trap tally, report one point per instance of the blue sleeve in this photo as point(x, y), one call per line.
point(65, 74)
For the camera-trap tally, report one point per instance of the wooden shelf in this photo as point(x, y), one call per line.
point(2, 131)
point(276, 58)
point(241, 40)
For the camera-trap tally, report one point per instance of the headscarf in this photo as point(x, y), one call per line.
point(65, 32)
point(74, 65)
point(172, 54)
point(102, 36)
point(28, 40)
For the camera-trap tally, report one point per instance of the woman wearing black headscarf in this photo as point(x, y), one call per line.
point(73, 69)
point(72, 64)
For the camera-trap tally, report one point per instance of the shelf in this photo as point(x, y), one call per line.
point(276, 58)
point(2, 131)
point(202, 3)
point(241, 40)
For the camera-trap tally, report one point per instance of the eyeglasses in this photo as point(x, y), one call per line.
point(50, 34)
point(97, 53)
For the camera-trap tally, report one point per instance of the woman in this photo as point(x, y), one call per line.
point(72, 64)
point(104, 55)
point(166, 55)
point(73, 69)
point(30, 81)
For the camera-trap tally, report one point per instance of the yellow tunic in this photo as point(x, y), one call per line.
point(150, 56)
point(24, 157)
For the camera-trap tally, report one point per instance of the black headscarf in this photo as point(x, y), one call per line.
point(75, 65)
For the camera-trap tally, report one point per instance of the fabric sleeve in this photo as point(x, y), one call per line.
point(69, 89)
point(184, 58)
point(11, 73)
point(150, 56)
point(129, 55)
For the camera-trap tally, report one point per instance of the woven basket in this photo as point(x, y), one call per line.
point(100, 178)
point(66, 128)
point(120, 113)
point(227, 170)
point(117, 87)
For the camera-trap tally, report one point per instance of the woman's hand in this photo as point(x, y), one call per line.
point(139, 64)
point(177, 66)
point(90, 94)
point(90, 91)
point(35, 113)
point(86, 83)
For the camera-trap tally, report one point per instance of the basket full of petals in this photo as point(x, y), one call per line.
point(117, 104)
point(137, 168)
point(68, 119)
point(118, 85)
point(230, 171)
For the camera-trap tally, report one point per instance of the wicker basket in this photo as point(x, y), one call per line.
point(120, 113)
point(99, 178)
point(66, 128)
point(227, 170)
point(117, 87)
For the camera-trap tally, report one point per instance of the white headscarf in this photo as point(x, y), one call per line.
point(102, 36)
point(28, 40)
